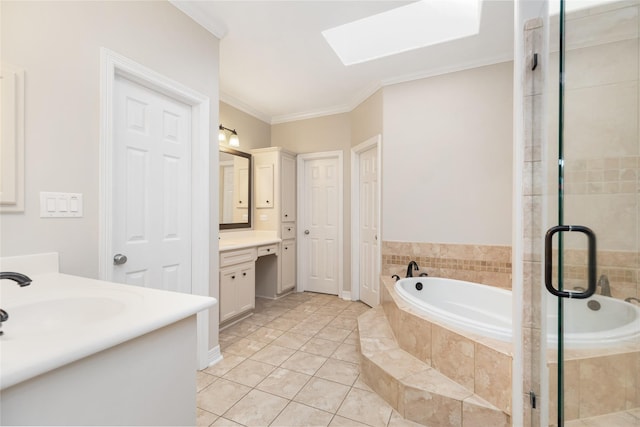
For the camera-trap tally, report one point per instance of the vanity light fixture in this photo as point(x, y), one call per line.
point(234, 141)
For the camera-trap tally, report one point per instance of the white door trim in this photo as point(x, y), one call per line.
point(302, 268)
point(375, 141)
point(112, 64)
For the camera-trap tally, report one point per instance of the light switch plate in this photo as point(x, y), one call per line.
point(60, 205)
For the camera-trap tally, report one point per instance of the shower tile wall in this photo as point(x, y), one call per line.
point(602, 153)
point(489, 265)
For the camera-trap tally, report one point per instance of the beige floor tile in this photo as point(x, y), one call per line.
point(266, 335)
point(333, 334)
point(305, 363)
point(297, 414)
point(203, 380)
point(283, 383)
point(223, 422)
point(365, 407)
point(291, 340)
point(320, 347)
point(361, 384)
point(352, 338)
point(339, 371)
point(339, 421)
point(295, 315)
point(241, 329)
point(347, 353)
point(398, 421)
point(307, 328)
point(344, 322)
point(249, 372)
point(322, 394)
point(244, 347)
point(257, 408)
point(228, 362)
point(273, 354)
point(204, 418)
point(282, 324)
point(220, 396)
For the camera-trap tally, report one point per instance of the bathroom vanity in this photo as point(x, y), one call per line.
point(78, 351)
point(261, 261)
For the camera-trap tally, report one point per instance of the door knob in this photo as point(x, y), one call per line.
point(306, 231)
point(119, 259)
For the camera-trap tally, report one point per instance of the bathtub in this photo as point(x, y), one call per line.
point(486, 311)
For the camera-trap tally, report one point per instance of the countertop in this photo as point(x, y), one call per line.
point(248, 239)
point(60, 318)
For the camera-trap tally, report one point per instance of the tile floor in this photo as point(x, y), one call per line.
point(293, 363)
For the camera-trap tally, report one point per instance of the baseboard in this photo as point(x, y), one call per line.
point(214, 356)
point(346, 295)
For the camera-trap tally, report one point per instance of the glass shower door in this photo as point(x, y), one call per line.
point(593, 181)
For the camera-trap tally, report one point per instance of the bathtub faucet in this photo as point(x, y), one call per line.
point(603, 283)
point(22, 281)
point(411, 267)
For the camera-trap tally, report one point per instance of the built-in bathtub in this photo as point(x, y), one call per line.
point(467, 337)
point(595, 322)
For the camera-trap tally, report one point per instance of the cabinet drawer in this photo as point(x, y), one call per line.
point(268, 250)
point(288, 231)
point(237, 256)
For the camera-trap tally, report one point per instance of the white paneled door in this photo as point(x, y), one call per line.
point(368, 227)
point(151, 188)
point(321, 198)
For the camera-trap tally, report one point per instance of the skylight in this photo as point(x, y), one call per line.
point(416, 25)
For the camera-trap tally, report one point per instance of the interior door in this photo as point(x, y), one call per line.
point(321, 219)
point(591, 253)
point(151, 188)
point(368, 233)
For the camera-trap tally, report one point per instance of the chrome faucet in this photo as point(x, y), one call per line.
point(603, 283)
point(411, 267)
point(22, 281)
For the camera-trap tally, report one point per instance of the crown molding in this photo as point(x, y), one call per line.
point(199, 14)
point(244, 107)
point(363, 94)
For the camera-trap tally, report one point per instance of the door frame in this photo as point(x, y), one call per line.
point(375, 141)
point(112, 65)
point(302, 267)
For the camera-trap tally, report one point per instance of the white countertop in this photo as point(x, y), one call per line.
point(59, 319)
point(246, 239)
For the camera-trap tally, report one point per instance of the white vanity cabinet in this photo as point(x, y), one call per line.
point(287, 279)
point(237, 282)
point(275, 172)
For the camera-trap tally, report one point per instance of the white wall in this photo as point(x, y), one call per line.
point(58, 46)
point(447, 156)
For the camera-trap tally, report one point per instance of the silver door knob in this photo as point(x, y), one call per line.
point(306, 231)
point(119, 259)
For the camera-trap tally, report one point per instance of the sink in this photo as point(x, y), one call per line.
point(58, 315)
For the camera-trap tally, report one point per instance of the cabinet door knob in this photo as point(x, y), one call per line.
point(306, 231)
point(268, 250)
point(267, 201)
point(288, 229)
point(244, 274)
point(286, 215)
point(233, 277)
point(286, 248)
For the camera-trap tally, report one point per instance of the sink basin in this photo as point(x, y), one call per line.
point(54, 316)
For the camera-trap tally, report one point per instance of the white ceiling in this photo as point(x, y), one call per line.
point(276, 65)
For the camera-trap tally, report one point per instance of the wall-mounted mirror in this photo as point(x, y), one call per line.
point(235, 189)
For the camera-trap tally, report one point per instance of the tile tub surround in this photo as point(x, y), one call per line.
point(293, 363)
point(419, 392)
point(486, 264)
point(481, 365)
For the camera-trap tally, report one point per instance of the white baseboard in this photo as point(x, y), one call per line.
point(214, 356)
point(346, 295)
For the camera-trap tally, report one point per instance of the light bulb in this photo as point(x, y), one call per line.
point(234, 141)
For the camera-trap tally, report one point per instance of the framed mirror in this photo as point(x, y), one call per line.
point(235, 189)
